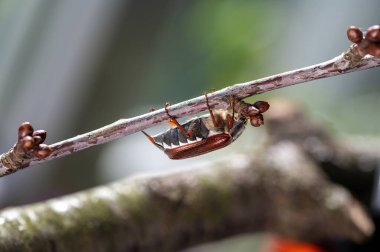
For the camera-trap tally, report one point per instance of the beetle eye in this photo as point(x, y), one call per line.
point(257, 120)
point(262, 106)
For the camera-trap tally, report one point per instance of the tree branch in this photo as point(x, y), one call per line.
point(123, 127)
point(255, 192)
point(348, 164)
point(354, 59)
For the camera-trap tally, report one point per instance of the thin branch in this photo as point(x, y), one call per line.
point(336, 66)
point(288, 195)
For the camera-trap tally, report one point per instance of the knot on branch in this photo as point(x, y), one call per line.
point(29, 145)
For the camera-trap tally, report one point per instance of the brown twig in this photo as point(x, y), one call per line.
point(350, 61)
point(29, 145)
point(280, 188)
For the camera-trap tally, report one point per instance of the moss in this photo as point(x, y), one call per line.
point(214, 194)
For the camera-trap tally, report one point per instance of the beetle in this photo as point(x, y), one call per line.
point(209, 132)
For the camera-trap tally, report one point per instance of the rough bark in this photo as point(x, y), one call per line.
point(346, 162)
point(280, 189)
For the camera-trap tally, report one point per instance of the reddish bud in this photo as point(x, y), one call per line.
point(257, 120)
point(25, 129)
point(37, 140)
point(354, 34)
point(27, 143)
point(363, 47)
point(262, 106)
point(374, 50)
point(43, 151)
point(373, 33)
point(41, 134)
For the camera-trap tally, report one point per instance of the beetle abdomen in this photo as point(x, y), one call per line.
point(209, 132)
point(174, 137)
point(199, 147)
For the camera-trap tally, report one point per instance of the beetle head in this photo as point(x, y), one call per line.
point(257, 120)
point(262, 106)
point(254, 112)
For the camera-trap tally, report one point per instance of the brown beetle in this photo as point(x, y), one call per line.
point(209, 132)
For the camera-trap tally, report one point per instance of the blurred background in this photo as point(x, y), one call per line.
point(70, 67)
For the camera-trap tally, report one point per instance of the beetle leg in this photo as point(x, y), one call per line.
point(230, 122)
point(215, 120)
point(233, 106)
point(174, 121)
point(230, 119)
point(233, 99)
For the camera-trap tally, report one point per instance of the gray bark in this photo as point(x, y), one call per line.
point(283, 188)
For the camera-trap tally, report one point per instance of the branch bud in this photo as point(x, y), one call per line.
point(374, 49)
point(43, 152)
point(354, 34)
point(27, 143)
point(41, 134)
point(373, 34)
point(24, 130)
